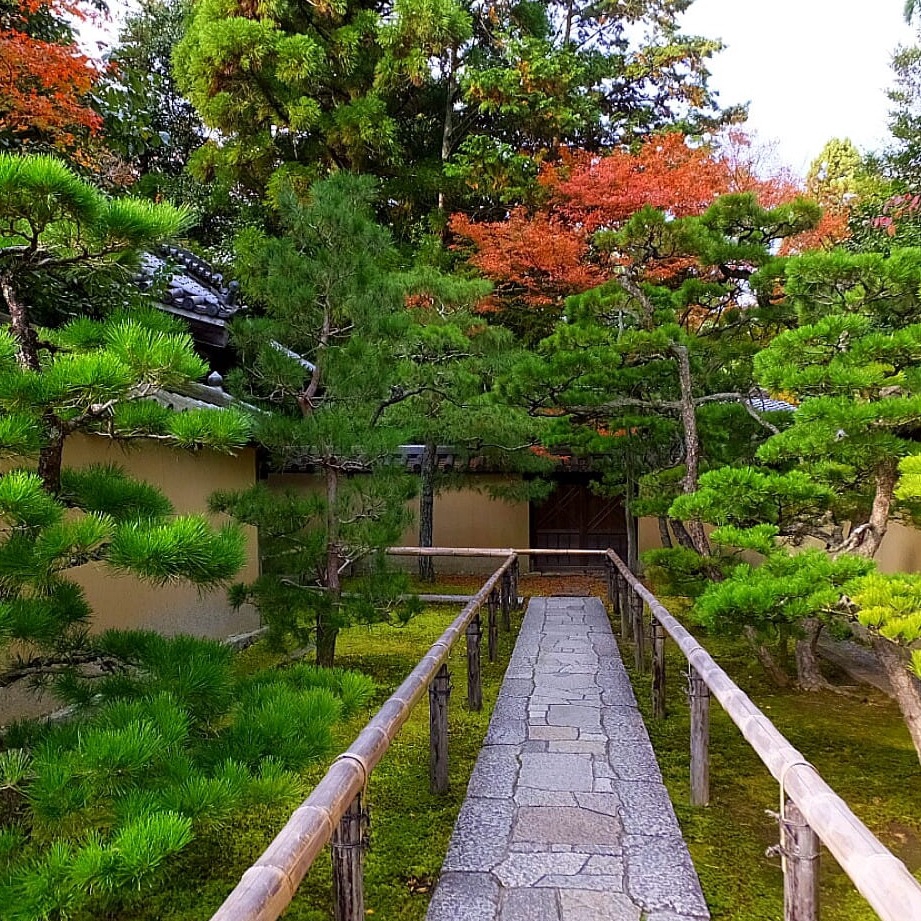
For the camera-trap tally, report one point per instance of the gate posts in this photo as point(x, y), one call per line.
point(506, 601)
point(639, 633)
point(658, 670)
point(474, 684)
point(348, 853)
point(799, 846)
point(492, 626)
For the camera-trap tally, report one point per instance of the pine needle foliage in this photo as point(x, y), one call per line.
point(89, 375)
point(333, 292)
point(160, 751)
point(163, 752)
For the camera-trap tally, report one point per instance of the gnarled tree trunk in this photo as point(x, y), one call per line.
point(664, 534)
point(695, 528)
point(766, 658)
point(808, 675)
point(906, 688)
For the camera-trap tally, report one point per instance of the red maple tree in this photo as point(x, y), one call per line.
point(44, 82)
point(541, 257)
point(538, 258)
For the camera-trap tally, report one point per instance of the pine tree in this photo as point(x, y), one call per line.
point(327, 363)
point(454, 361)
point(851, 363)
point(92, 376)
point(446, 100)
point(166, 750)
point(167, 740)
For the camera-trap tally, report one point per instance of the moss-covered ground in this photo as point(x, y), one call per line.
point(410, 827)
point(858, 744)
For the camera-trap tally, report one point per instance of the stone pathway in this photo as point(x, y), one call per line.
point(566, 817)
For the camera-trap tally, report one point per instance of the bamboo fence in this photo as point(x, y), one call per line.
point(333, 810)
point(807, 801)
point(809, 809)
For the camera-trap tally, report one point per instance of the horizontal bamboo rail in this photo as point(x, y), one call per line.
point(473, 551)
point(268, 886)
point(882, 879)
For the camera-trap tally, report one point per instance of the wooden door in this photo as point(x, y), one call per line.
point(575, 518)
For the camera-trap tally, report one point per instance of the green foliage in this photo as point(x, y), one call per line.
point(784, 589)
point(748, 496)
point(436, 97)
point(334, 294)
point(679, 570)
point(165, 752)
point(91, 375)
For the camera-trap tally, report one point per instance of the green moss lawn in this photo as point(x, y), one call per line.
point(410, 827)
point(859, 745)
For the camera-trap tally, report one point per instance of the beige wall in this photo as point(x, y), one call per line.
point(900, 550)
point(466, 517)
point(187, 480)
point(126, 602)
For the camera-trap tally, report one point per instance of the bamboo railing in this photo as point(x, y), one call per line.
point(335, 810)
point(810, 810)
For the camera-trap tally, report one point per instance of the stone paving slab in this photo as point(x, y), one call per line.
point(566, 816)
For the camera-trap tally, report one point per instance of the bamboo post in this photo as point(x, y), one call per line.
point(639, 635)
point(658, 670)
point(516, 574)
point(609, 575)
point(348, 855)
point(474, 684)
point(439, 693)
point(506, 600)
point(699, 699)
point(625, 593)
point(800, 848)
point(492, 630)
point(492, 603)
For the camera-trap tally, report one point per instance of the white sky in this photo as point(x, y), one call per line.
point(810, 69)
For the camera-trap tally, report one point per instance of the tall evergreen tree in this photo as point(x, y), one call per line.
point(852, 364)
point(434, 95)
point(324, 363)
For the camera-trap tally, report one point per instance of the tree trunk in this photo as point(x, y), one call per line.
point(52, 454)
point(865, 539)
point(327, 631)
point(427, 510)
point(905, 687)
point(664, 534)
point(691, 443)
point(766, 659)
point(808, 675)
point(681, 534)
point(20, 326)
point(447, 131)
point(783, 646)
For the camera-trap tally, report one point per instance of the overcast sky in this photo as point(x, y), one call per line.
point(811, 69)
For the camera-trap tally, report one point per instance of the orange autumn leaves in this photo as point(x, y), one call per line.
point(541, 256)
point(43, 84)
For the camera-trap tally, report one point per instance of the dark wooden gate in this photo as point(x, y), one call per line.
point(575, 518)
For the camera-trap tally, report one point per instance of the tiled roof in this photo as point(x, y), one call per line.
point(765, 404)
point(193, 289)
